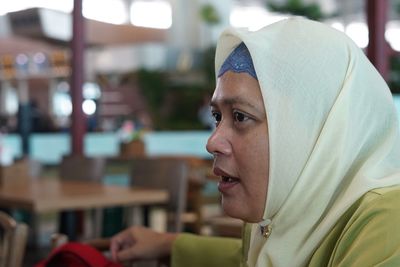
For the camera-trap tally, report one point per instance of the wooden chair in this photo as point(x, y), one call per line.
point(194, 217)
point(198, 169)
point(12, 242)
point(20, 172)
point(167, 173)
point(78, 167)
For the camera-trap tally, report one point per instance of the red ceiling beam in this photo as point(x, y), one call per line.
point(377, 51)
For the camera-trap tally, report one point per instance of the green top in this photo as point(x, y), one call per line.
point(368, 234)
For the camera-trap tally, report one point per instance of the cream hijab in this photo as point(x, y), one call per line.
point(333, 130)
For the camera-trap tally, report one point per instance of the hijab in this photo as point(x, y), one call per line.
point(333, 133)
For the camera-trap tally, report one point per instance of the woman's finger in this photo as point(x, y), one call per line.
point(126, 254)
point(114, 247)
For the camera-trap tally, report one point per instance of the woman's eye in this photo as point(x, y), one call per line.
point(217, 116)
point(240, 117)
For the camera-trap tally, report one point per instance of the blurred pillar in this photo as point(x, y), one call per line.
point(6, 88)
point(377, 50)
point(52, 91)
point(70, 222)
point(3, 94)
point(24, 115)
point(78, 119)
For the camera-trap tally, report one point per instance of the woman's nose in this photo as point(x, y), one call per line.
point(218, 142)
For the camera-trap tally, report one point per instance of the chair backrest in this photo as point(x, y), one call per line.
point(77, 167)
point(13, 241)
point(20, 172)
point(117, 171)
point(166, 173)
point(35, 168)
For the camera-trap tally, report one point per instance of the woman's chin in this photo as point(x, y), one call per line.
point(235, 209)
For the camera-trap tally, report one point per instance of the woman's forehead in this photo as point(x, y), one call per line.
point(238, 88)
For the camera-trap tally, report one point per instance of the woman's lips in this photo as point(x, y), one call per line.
point(226, 183)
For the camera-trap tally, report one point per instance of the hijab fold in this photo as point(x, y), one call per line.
point(333, 132)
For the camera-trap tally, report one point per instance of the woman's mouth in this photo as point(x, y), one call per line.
point(226, 183)
point(227, 179)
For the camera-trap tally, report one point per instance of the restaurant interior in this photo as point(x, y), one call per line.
point(104, 111)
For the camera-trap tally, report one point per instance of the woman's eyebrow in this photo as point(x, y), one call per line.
point(232, 101)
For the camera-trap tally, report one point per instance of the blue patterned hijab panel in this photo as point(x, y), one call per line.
point(239, 61)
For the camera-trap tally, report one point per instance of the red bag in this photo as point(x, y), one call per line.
point(75, 254)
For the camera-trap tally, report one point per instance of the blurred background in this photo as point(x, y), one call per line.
point(147, 66)
point(112, 81)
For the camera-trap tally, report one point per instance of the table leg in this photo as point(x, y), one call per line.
point(97, 222)
point(34, 233)
point(68, 222)
point(134, 216)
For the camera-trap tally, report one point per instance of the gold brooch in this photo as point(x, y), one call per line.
point(266, 231)
point(265, 228)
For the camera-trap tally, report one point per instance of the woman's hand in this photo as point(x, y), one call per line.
point(140, 243)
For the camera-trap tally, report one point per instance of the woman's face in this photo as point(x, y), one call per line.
point(240, 145)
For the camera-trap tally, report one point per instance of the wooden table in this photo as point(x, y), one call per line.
point(52, 194)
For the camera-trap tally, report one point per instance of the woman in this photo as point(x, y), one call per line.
point(307, 147)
